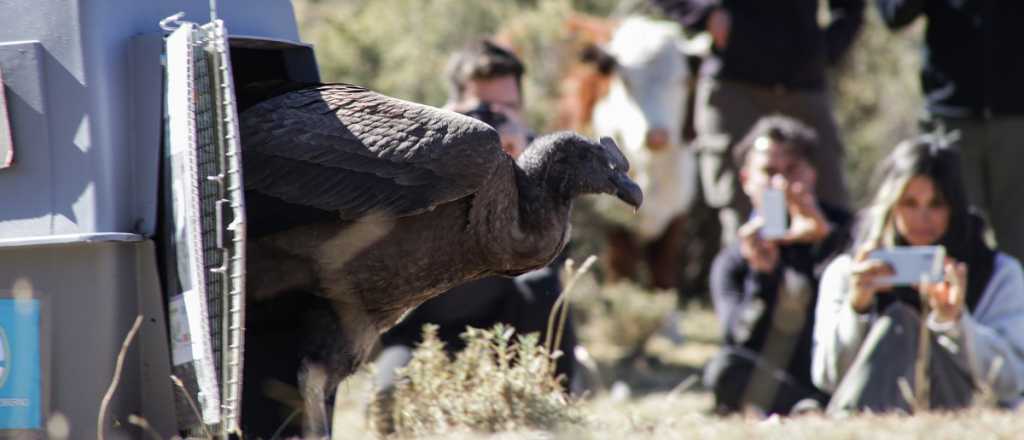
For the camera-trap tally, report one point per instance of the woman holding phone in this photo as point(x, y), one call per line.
point(867, 330)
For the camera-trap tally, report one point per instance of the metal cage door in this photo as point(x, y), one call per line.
point(205, 260)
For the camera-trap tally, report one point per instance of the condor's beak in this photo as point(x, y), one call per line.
point(627, 191)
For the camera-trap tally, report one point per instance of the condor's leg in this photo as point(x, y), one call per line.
point(313, 383)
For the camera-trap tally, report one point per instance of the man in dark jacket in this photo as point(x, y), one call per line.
point(973, 79)
point(764, 289)
point(767, 57)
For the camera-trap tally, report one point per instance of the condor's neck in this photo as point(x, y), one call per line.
point(528, 223)
point(545, 193)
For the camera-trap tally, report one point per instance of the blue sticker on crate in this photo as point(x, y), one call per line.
point(20, 375)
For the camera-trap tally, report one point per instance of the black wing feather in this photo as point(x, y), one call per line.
point(346, 149)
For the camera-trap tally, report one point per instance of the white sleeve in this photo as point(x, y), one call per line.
point(993, 334)
point(838, 329)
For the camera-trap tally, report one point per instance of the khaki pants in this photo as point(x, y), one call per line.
point(992, 152)
point(727, 110)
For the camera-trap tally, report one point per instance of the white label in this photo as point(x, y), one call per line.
point(181, 340)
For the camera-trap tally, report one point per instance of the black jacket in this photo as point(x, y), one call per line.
point(974, 54)
point(745, 299)
point(774, 43)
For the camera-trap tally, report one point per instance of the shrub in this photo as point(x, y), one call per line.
point(493, 385)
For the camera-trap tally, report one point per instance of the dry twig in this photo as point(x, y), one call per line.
point(118, 366)
point(553, 337)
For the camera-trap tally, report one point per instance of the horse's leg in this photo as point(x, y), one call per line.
point(313, 386)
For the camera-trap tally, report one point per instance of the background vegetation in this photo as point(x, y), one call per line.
point(400, 48)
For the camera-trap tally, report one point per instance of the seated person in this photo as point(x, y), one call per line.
point(867, 330)
point(485, 83)
point(764, 289)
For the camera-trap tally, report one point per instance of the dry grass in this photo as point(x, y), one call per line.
point(659, 413)
point(658, 417)
point(653, 411)
point(500, 389)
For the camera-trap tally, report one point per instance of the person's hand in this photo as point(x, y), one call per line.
point(946, 298)
point(719, 25)
point(866, 277)
point(761, 255)
point(807, 224)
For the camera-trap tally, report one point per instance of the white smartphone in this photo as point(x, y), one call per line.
point(773, 211)
point(912, 264)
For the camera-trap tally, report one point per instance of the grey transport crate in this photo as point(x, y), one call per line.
point(81, 253)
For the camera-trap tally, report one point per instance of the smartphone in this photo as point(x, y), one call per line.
point(912, 264)
point(773, 211)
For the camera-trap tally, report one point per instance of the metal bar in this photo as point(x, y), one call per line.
point(66, 239)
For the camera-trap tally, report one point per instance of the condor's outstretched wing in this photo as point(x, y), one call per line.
point(347, 150)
